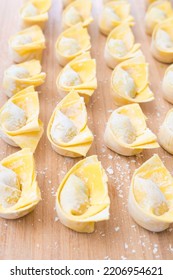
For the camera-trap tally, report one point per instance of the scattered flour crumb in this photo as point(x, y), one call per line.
point(110, 170)
point(170, 248)
point(110, 157)
point(106, 258)
point(56, 219)
point(117, 229)
point(155, 249)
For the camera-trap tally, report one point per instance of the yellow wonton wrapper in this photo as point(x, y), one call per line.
point(20, 76)
point(25, 195)
point(150, 2)
point(127, 133)
point(35, 12)
point(167, 84)
point(77, 12)
point(113, 14)
point(129, 81)
point(79, 74)
point(107, 1)
point(27, 44)
point(151, 195)
point(71, 43)
point(120, 45)
point(165, 135)
point(70, 135)
point(23, 116)
point(156, 13)
point(82, 198)
point(162, 41)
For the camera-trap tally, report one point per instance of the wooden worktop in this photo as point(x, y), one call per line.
point(40, 235)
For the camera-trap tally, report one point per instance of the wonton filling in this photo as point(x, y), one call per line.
point(122, 128)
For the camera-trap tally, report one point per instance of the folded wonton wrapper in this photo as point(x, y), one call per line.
point(113, 14)
point(127, 133)
point(165, 135)
point(151, 195)
point(19, 191)
point(162, 41)
point(71, 43)
point(107, 1)
point(27, 44)
point(150, 2)
point(19, 123)
point(77, 12)
point(129, 81)
point(167, 84)
point(79, 74)
point(67, 130)
point(82, 198)
point(35, 12)
point(120, 45)
point(156, 13)
point(20, 76)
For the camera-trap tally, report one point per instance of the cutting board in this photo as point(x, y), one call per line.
point(40, 235)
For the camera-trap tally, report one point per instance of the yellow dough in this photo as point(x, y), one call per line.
point(27, 44)
point(67, 130)
point(162, 41)
point(35, 12)
point(107, 1)
point(113, 14)
point(79, 74)
point(77, 12)
point(19, 123)
point(156, 13)
point(20, 76)
point(19, 191)
point(165, 135)
point(120, 45)
point(150, 2)
point(82, 197)
point(151, 195)
point(71, 43)
point(127, 133)
point(167, 84)
point(129, 81)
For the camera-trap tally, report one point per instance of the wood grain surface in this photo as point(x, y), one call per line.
point(40, 235)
